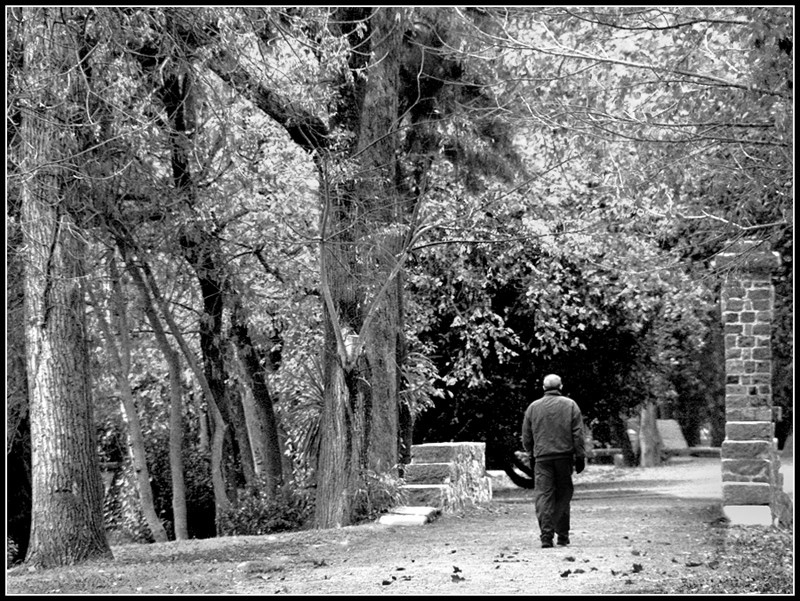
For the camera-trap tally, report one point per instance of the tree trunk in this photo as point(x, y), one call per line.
point(362, 308)
point(179, 516)
point(341, 463)
point(149, 305)
point(204, 442)
point(135, 432)
point(67, 511)
point(201, 252)
point(262, 424)
point(139, 459)
point(619, 429)
point(120, 357)
point(650, 445)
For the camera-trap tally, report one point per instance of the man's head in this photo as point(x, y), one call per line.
point(551, 382)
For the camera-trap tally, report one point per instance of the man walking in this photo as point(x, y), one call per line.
point(552, 433)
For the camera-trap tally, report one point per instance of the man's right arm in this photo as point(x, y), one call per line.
point(527, 436)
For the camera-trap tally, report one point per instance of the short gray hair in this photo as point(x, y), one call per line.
point(552, 382)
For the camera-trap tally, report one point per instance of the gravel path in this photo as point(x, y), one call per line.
point(635, 531)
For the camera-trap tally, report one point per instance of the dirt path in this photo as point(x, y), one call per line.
point(632, 535)
point(617, 548)
point(635, 531)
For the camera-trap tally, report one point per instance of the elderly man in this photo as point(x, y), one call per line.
point(552, 433)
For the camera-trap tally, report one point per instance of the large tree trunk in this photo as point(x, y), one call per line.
point(67, 513)
point(341, 463)
point(359, 272)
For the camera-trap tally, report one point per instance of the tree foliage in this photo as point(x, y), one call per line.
point(642, 130)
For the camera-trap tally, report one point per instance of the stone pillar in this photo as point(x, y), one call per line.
point(751, 482)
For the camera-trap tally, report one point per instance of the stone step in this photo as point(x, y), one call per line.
point(447, 452)
point(429, 473)
point(426, 495)
point(409, 516)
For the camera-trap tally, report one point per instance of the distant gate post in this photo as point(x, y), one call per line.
point(751, 482)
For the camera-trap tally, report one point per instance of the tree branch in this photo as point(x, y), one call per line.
point(306, 130)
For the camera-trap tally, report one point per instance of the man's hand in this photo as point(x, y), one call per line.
point(580, 464)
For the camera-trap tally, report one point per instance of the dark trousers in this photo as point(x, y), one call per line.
point(553, 495)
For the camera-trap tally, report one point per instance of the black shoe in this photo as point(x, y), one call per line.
point(547, 543)
point(562, 541)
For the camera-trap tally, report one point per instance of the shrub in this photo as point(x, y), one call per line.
point(379, 493)
point(122, 509)
point(258, 512)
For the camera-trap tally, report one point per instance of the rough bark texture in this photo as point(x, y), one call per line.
point(340, 461)
point(67, 513)
point(360, 414)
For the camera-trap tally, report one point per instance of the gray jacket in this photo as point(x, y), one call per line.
point(553, 428)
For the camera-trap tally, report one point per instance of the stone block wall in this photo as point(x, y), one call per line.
point(455, 471)
point(750, 460)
